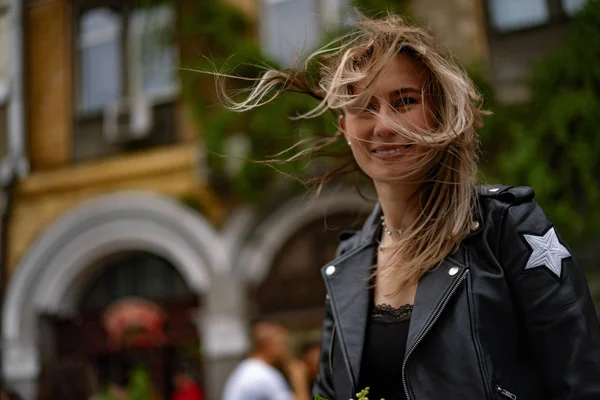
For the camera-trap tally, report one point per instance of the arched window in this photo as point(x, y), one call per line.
point(293, 291)
point(134, 290)
point(137, 274)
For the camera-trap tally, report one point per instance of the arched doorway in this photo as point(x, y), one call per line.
point(137, 313)
point(57, 271)
point(293, 291)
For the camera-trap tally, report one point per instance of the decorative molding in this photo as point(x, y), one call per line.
point(259, 251)
point(150, 163)
point(57, 268)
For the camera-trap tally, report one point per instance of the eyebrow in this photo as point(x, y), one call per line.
point(404, 91)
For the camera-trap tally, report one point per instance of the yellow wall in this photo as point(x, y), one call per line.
point(49, 76)
point(56, 185)
point(45, 196)
point(458, 24)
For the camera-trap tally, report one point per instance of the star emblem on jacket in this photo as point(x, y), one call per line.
point(547, 251)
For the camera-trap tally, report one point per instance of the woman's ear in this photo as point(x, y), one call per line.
point(342, 124)
point(342, 127)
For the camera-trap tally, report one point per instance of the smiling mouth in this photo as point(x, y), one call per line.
point(391, 151)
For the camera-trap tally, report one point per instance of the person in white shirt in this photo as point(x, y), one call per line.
point(258, 376)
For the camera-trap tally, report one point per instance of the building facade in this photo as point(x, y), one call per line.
point(104, 154)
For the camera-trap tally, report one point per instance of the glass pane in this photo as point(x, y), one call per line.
point(572, 6)
point(291, 28)
point(100, 80)
point(507, 15)
point(335, 12)
point(156, 54)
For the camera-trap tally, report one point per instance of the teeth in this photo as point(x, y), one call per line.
point(386, 152)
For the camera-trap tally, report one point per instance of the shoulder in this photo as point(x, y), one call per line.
point(258, 371)
point(507, 195)
point(512, 209)
point(351, 239)
point(252, 376)
point(496, 201)
point(348, 240)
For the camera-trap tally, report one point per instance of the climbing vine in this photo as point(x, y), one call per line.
point(229, 44)
point(550, 143)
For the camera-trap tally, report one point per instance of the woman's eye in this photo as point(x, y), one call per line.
point(405, 102)
point(372, 107)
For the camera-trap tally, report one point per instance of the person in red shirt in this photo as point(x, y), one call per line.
point(186, 388)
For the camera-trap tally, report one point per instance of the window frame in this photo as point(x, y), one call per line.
point(556, 11)
point(79, 110)
point(323, 10)
point(129, 63)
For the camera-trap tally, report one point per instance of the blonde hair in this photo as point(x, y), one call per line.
point(446, 171)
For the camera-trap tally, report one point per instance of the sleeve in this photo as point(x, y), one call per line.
point(553, 299)
point(276, 392)
point(323, 385)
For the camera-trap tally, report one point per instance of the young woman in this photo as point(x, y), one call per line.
point(450, 290)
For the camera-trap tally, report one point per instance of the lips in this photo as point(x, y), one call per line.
point(389, 150)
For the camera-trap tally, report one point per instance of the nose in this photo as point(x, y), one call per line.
point(382, 126)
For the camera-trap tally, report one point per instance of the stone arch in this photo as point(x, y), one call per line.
point(51, 276)
point(273, 233)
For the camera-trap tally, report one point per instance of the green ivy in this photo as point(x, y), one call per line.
point(229, 45)
point(552, 143)
point(225, 40)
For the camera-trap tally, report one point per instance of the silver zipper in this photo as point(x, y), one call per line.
point(505, 393)
point(437, 316)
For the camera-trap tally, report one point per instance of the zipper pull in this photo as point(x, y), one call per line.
point(505, 393)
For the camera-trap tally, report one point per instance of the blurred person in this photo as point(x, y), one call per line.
point(451, 290)
point(115, 391)
point(309, 354)
point(186, 387)
point(68, 379)
point(258, 377)
point(7, 394)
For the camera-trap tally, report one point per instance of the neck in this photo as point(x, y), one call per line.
point(262, 357)
point(397, 203)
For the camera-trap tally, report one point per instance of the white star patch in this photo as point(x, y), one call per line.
point(547, 252)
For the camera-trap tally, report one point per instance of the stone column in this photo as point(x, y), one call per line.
point(223, 328)
point(21, 367)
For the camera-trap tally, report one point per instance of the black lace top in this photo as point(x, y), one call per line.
point(383, 352)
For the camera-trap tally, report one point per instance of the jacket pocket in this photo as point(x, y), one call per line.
point(504, 393)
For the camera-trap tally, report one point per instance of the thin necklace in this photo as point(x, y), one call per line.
point(389, 232)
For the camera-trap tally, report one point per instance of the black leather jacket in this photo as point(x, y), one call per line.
point(493, 321)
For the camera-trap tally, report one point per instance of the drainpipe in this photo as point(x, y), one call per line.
point(16, 109)
point(15, 165)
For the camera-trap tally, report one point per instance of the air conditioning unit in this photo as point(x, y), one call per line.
point(127, 120)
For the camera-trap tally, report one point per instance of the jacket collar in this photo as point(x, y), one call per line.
point(371, 225)
point(348, 284)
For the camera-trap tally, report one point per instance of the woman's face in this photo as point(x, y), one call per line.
point(398, 94)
